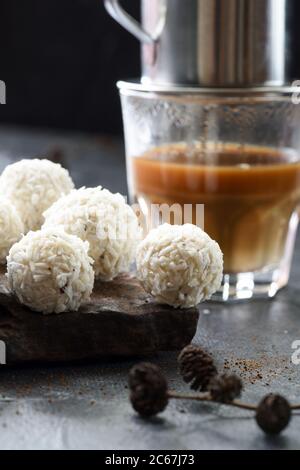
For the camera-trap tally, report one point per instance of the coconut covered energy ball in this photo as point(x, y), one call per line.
point(179, 266)
point(11, 227)
point(50, 271)
point(33, 186)
point(105, 221)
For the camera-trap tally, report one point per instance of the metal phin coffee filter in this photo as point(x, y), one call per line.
point(211, 43)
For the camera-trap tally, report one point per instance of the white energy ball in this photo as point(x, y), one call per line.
point(179, 266)
point(50, 271)
point(105, 221)
point(11, 227)
point(33, 186)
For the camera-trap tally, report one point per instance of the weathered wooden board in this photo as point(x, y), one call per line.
point(120, 320)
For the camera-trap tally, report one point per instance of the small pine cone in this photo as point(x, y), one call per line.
point(273, 414)
point(225, 388)
point(148, 389)
point(196, 367)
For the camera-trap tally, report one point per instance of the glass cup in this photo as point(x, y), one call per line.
point(236, 154)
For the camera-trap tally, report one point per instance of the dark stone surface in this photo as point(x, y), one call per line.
point(120, 320)
point(86, 406)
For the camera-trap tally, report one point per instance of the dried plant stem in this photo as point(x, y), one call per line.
point(295, 407)
point(244, 406)
point(205, 397)
point(183, 396)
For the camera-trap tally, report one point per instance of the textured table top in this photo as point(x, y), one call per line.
point(86, 406)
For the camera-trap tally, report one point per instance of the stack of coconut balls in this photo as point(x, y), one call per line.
point(57, 240)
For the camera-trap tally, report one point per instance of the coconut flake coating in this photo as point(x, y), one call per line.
point(50, 271)
point(105, 221)
point(33, 186)
point(179, 266)
point(11, 227)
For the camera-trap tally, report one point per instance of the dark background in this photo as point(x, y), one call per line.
point(60, 60)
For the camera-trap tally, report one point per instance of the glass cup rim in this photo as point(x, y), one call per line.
point(254, 94)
